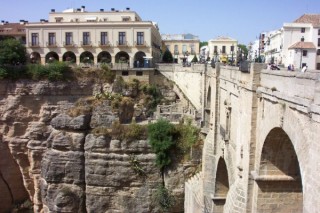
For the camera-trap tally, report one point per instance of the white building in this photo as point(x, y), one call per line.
point(273, 47)
point(253, 50)
point(301, 42)
point(117, 37)
point(223, 49)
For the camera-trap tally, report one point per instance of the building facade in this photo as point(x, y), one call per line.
point(223, 49)
point(296, 43)
point(119, 38)
point(13, 30)
point(182, 46)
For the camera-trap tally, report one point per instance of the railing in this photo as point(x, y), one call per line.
point(86, 43)
point(176, 52)
point(104, 44)
point(51, 44)
point(68, 44)
point(34, 44)
point(124, 44)
point(139, 44)
point(121, 66)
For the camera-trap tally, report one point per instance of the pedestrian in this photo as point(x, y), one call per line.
point(289, 67)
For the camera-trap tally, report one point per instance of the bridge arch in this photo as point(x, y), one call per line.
point(221, 186)
point(279, 178)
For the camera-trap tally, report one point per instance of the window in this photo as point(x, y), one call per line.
point(125, 73)
point(215, 49)
point(122, 38)
point(223, 49)
point(303, 65)
point(34, 39)
point(302, 38)
point(305, 52)
point(139, 73)
point(104, 38)
point(86, 38)
point(184, 48)
point(176, 50)
point(318, 66)
point(318, 31)
point(140, 38)
point(303, 29)
point(69, 39)
point(126, 19)
point(318, 42)
point(232, 48)
point(192, 49)
point(318, 51)
point(52, 39)
point(168, 47)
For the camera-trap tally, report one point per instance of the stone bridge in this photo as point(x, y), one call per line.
point(261, 152)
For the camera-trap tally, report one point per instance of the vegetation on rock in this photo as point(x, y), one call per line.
point(163, 199)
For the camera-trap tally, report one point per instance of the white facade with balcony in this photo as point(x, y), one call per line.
point(223, 49)
point(117, 37)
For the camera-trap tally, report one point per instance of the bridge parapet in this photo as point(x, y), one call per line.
point(292, 84)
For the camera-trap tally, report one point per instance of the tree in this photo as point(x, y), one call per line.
point(195, 59)
point(12, 52)
point(167, 56)
point(203, 43)
point(160, 136)
point(244, 50)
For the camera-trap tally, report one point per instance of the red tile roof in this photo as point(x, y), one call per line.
point(12, 29)
point(313, 19)
point(303, 45)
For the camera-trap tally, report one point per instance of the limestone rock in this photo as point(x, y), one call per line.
point(64, 121)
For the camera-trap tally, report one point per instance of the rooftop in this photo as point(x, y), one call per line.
point(313, 19)
point(12, 28)
point(302, 45)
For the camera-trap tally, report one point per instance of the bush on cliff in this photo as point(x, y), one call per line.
point(160, 135)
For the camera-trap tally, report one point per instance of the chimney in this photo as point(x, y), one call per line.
point(22, 21)
point(42, 20)
point(112, 9)
point(2, 22)
point(128, 8)
point(101, 10)
point(53, 10)
point(78, 9)
point(83, 8)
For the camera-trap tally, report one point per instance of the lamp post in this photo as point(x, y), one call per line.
point(232, 50)
point(185, 57)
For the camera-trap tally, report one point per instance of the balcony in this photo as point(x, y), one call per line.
point(141, 44)
point(104, 44)
point(86, 43)
point(51, 44)
point(34, 44)
point(122, 44)
point(68, 44)
point(176, 52)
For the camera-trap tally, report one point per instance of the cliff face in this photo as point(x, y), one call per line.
point(54, 161)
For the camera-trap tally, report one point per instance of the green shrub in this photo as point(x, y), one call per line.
point(163, 199)
point(167, 57)
point(3, 73)
point(160, 135)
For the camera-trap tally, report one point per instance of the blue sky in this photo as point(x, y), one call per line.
point(239, 19)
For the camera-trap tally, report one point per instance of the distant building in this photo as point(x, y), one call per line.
point(223, 49)
point(13, 30)
point(117, 37)
point(296, 43)
point(182, 46)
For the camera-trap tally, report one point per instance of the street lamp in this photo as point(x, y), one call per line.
point(232, 50)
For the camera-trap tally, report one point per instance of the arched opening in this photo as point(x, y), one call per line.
point(138, 59)
point(122, 57)
point(104, 57)
point(35, 58)
point(69, 57)
point(86, 57)
point(279, 179)
point(222, 186)
point(52, 57)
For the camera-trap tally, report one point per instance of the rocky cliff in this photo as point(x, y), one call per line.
point(54, 160)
